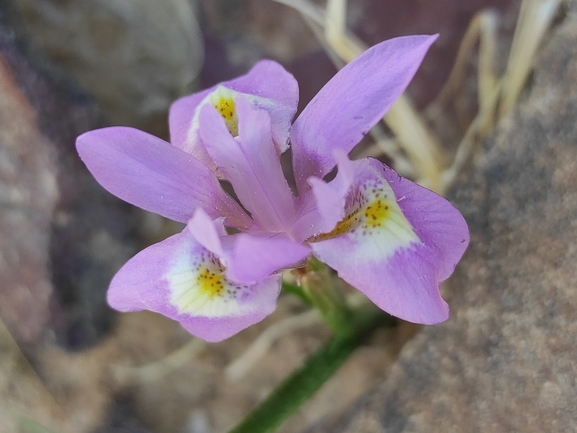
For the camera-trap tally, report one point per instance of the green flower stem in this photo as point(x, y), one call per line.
point(301, 385)
point(296, 290)
point(320, 287)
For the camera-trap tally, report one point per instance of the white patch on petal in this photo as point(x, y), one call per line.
point(198, 286)
point(374, 223)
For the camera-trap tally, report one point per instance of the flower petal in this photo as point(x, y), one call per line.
point(251, 164)
point(207, 232)
point(324, 205)
point(309, 221)
point(330, 204)
point(181, 279)
point(253, 257)
point(352, 102)
point(436, 221)
point(267, 85)
point(248, 257)
point(395, 248)
point(149, 173)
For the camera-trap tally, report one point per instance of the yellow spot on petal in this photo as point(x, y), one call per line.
point(198, 285)
point(223, 100)
point(373, 213)
point(377, 213)
point(346, 225)
point(210, 284)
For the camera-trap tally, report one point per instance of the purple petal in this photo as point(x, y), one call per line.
point(207, 232)
point(324, 205)
point(330, 203)
point(267, 85)
point(254, 257)
point(153, 175)
point(399, 242)
point(404, 284)
point(251, 164)
point(352, 102)
point(437, 223)
point(182, 280)
point(248, 257)
point(183, 126)
point(309, 221)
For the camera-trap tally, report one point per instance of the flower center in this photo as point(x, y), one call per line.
point(223, 100)
point(210, 284)
point(372, 210)
point(377, 213)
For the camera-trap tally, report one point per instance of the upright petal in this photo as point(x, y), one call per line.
point(254, 256)
point(395, 248)
point(251, 164)
point(248, 257)
point(149, 173)
point(309, 221)
point(208, 232)
point(324, 205)
point(181, 279)
point(352, 102)
point(267, 86)
point(183, 126)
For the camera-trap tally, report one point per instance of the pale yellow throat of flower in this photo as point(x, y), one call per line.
point(223, 100)
point(198, 286)
point(210, 284)
point(374, 218)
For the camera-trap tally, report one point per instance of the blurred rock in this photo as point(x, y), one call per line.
point(240, 32)
point(122, 419)
point(23, 399)
point(377, 20)
point(505, 361)
point(63, 236)
point(134, 56)
point(28, 195)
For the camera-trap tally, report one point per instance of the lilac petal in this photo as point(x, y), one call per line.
point(309, 221)
point(396, 248)
point(352, 102)
point(182, 280)
point(183, 126)
point(251, 164)
point(149, 173)
point(324, 205)
point(437, 223)
point(404, 284)
point(248, 257)
point(330, 198)
point(267, 85)
point(330, 204)
point(208, 233)
point(253, 257)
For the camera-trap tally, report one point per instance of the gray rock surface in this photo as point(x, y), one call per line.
point(134, 56)
point(506, 360)
point(62, 236)
point(28, 195)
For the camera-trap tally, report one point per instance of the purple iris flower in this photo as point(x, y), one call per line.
point(390, 238)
